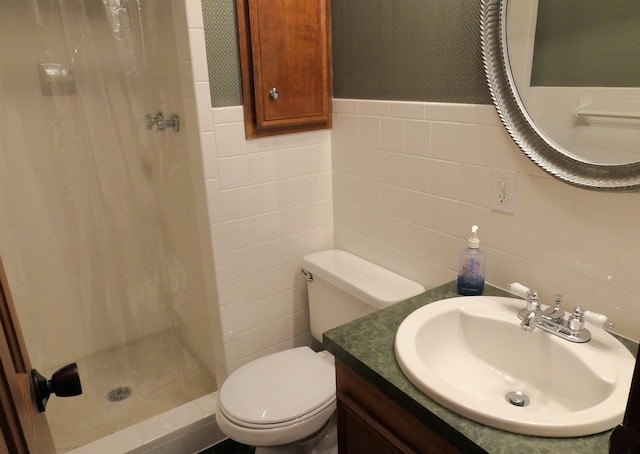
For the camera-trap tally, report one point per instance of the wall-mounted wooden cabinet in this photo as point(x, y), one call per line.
point(285, 57)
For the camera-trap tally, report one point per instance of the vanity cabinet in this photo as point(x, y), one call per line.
point(369, 421)
point(285, 58)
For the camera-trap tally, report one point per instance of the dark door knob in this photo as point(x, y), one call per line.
point(65, 382)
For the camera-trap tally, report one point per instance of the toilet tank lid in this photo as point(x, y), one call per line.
point(364, 280)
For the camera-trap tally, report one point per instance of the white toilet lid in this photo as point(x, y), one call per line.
point(278, 387)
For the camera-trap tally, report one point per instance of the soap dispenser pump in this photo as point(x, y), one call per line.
point(471, 268)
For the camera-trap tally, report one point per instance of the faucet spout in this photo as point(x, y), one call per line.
point(529, 319)
point(530, 314)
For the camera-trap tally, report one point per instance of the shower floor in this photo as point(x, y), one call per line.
point(161, 373)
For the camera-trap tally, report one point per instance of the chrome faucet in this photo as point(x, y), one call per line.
point(552, 319)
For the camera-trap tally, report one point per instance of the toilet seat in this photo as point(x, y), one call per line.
point(295, 431)
point(331, 405)
point(279, 390)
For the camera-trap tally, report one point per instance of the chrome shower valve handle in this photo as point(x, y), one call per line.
point(161, 123)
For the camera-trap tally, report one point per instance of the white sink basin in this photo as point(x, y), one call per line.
point(469, 353)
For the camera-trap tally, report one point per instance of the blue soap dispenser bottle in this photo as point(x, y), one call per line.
point(471, 267)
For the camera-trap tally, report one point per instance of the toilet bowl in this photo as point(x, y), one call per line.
point(278, 399)
point(285, 402)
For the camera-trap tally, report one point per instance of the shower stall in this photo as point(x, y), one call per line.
point(98, 209)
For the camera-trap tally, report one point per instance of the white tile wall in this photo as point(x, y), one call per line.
point(406, 199)
point(408, 179)
point(199, 126)
point(270, 206)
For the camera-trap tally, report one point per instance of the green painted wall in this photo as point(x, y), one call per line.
point(415, 50)
point(223, 58)
point(585, 43)
point(411, 50)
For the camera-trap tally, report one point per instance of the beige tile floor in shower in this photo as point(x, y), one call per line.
point(161, 372)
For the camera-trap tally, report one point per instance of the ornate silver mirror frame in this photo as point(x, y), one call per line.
point(523, 130)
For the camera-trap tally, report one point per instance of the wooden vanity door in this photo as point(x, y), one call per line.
point(23, 429)
point(625, 438)
point(369, 421)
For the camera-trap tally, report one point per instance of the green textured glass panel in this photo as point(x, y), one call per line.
point(409, 50)
point(412, 50)
point(587, 43)
point(221, 36)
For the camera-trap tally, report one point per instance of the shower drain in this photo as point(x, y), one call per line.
point(119, 394)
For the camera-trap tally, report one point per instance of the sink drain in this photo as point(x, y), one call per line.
point(518, 398)
point(119, 394)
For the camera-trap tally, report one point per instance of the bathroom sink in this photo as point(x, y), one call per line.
point(470, 355)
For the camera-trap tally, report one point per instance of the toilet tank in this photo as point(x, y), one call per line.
point(346, 287)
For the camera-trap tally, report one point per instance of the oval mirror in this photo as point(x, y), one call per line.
point(590, 139)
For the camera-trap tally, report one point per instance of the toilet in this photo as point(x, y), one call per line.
point(285, 402)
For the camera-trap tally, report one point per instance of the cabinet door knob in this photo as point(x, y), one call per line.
point(273, 93)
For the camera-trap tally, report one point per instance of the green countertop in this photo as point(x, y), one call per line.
point(366, 345)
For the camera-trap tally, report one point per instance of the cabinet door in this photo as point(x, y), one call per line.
point(359, 432)
point(285, 48)
point(625, 438)
point(369, 421)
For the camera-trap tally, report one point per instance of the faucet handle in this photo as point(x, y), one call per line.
point(149, 121)
point(576, 320)
point(531, 296)
point(520, 290)
point(598, 320)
